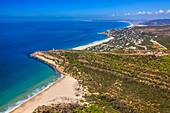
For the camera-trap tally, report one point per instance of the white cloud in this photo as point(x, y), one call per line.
point(160, 11)
point(113, 14)
point(168, 11)
point(144, 13)
point(138, 13)
point(141, 13)
point(128, 14)
point(149, 12)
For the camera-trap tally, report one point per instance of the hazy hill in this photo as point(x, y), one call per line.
point(156, 22)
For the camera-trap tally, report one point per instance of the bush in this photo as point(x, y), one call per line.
point(166, 76)
point(161, 83)
point(81, 100)
point(93, 109)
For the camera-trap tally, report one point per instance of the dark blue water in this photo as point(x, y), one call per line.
point(22, 76)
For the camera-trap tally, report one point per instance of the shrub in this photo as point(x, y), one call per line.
point(161, 83)
point(81, 100)
point(166, 76)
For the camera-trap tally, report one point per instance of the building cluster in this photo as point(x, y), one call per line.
point(125, 38)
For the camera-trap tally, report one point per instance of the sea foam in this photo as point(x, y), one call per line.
point(30, 96)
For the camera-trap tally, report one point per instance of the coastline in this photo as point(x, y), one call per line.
point(33, 102)
point(93, 44)
point(62, 90)
point(131, 24)
point(101, 41)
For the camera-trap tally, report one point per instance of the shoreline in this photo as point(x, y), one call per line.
point(131, 24)
point(65, 81)
point(57, 69)
point(101, 41)
point(93, 44)
point(15, 108)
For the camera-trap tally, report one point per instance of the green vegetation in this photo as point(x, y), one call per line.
point(68, 108)
point(147, 42)
point(164, 41)
point(120, 83)
point(115, 80)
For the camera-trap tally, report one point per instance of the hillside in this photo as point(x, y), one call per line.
point(162, 30)
point(130, 73)
point(120, 83)
point(156, 22)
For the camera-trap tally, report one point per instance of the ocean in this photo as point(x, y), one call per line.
point(21, 76)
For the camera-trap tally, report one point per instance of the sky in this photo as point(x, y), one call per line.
point(115, 9)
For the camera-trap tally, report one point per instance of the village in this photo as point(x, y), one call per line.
point(128, 40)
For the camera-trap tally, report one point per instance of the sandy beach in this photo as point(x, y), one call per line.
point(131, 24)
point(100, 42)
point(62, 91)
point(93, 44)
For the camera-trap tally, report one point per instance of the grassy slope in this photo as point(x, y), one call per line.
point(119, 82)
point(165, 41)
point(67, 108)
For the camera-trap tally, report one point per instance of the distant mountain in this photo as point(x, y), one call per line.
point(156, 22)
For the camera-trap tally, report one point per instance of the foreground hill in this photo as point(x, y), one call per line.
point(117, 82)
point(156, 22)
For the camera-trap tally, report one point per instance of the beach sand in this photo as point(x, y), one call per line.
point(102, 41)
point(62, 91)
point(131, 24)
point(93, 44)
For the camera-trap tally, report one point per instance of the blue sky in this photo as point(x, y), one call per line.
point(83, 8)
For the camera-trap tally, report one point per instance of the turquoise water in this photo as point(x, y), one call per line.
point(22, 76)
